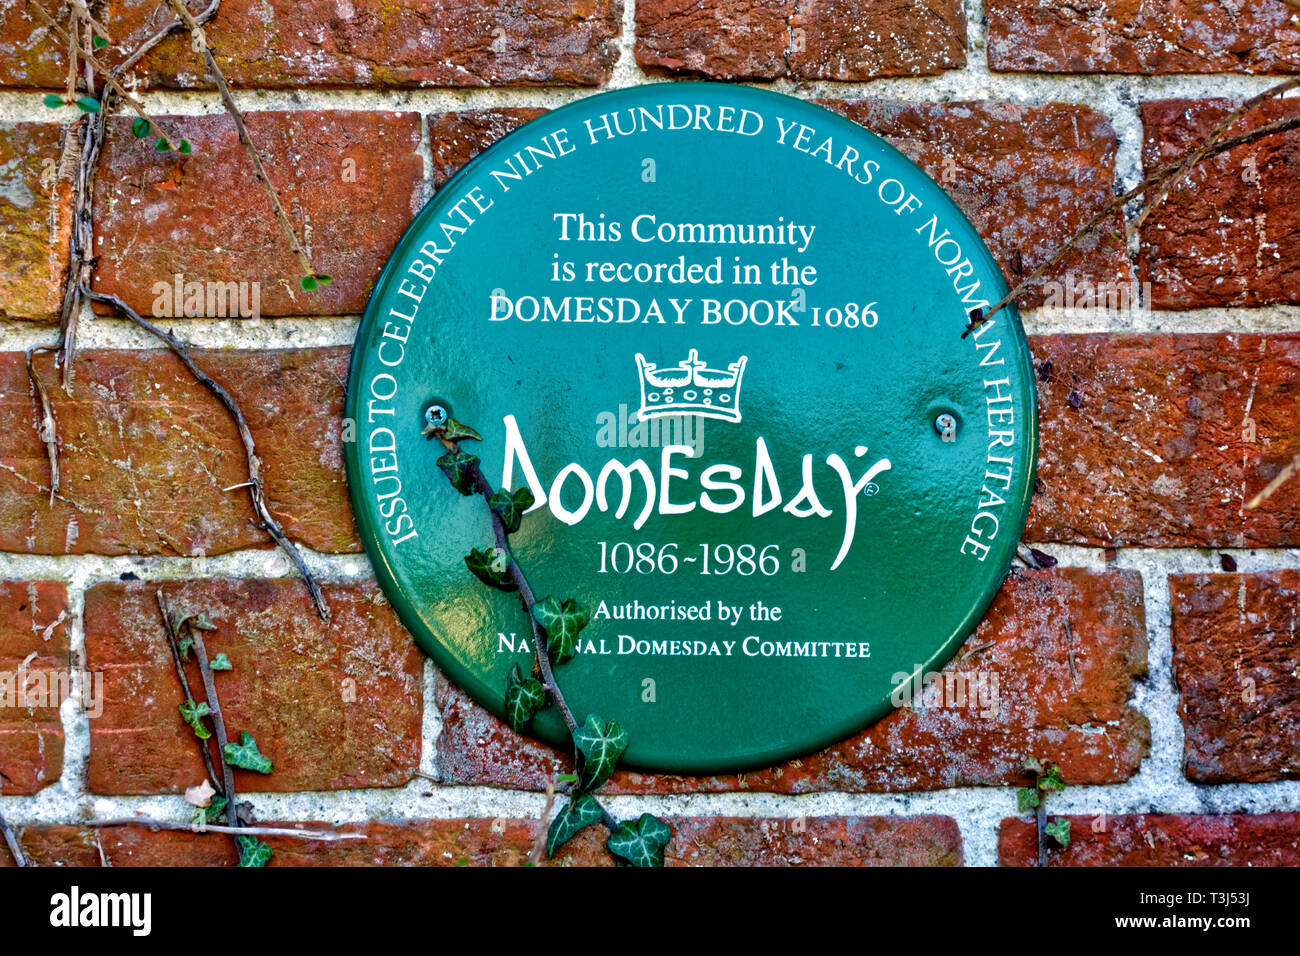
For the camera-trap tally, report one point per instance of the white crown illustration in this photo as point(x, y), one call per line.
point(690, 389)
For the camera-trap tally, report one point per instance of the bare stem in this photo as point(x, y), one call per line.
point(321, 835)
point(15, 845)
point(218, 723)
point(228, 101)
point(49, 431)
point(1278, 480)
point(268, 521)
point(173, 642)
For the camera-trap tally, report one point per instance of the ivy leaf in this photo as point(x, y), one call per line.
point(492, 568)
point(561, 622)
point(140, 127)
point(453, 430)
point(99, 42)
point(600, 745)
point(1059, 830)
point(308, 283)
point(524, 698)
point(578, 814)
point(193, 715)
point(221, 663)
point(252, 851)
point(458, 467)
point(162, 145)
point(1032, 764)
point(1052, 779)
point(324, 279)
point(1026, 799)
point(212, 812)
point(642, 843)
point(185, 148)
point(183, 647)
point(510, 508)
point(88, 104)
point(246, 756)
point(53, 100)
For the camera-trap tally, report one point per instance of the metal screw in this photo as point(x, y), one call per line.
point(946, 426)
point(435, 415)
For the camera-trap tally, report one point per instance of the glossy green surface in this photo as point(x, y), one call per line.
point(913, 577)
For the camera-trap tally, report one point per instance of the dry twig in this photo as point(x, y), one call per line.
point(321, 835)
point(15, 845)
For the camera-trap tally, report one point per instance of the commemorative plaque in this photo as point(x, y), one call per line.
point(717, 333)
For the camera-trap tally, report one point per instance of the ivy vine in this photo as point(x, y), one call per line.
point(598, 744)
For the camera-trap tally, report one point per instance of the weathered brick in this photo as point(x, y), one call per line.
point(823, 39)
point(1056, 687)
point(151, 463)
point(862, 39)
point(30, 56)
point(1160, 440)
point(33, 649)
point(749, 39)
point(383, 43)
point(335, 706)
point(1237, 666)
point(349, 181)
point(1229, 234)
point(1152, 839)
point(1027, 177)
point(35, 219)
point(697, 841)
point(456, 138)
point(1132, 36)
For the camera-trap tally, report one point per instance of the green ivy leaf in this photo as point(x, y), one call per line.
point(99, 42)
point(185, 148)
point(183, 647)
point(1059, 830)
point(324, 279)
point(600, 746)
point(1026, 799)
point(492, 568)
point(246, 756)
point(561, 622)
point(1052, 779)
point(524, 698)
point(211, 812)
point(578, 814)
point(193, 715)
point(162, 145)
point(1032, 764)
point(221, 663)
point(453, 430)
point(308, 283)
point(252, 851)
point(510, 507)
point(140, 127)
point(458, 467)
point(642, 843)
point(88, 104)
point(53, 100)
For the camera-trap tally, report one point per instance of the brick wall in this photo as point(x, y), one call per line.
point(1172, 700)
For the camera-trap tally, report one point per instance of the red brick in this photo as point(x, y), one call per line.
point(1152, 839)
point(456, 138)
point(29, 54)
point(1027, 177)
point(349, 181)
point(697, 841)
point(286, 44)
point(1171, 436)
point(1133, 36)
point(292, 686)
point(31, 738)
point(862, 39)
point(821, 40)
point(1229, 234)
point(1055, 691)
point(35, 219)
point(148, 457)
point(748, 39)
point(1237, 666)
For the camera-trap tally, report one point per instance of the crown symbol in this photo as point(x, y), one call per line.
point(690, 388)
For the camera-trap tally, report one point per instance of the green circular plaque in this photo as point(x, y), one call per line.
point(717, 332)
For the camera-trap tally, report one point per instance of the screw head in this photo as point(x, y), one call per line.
point(435, 415)
point(946, 425)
